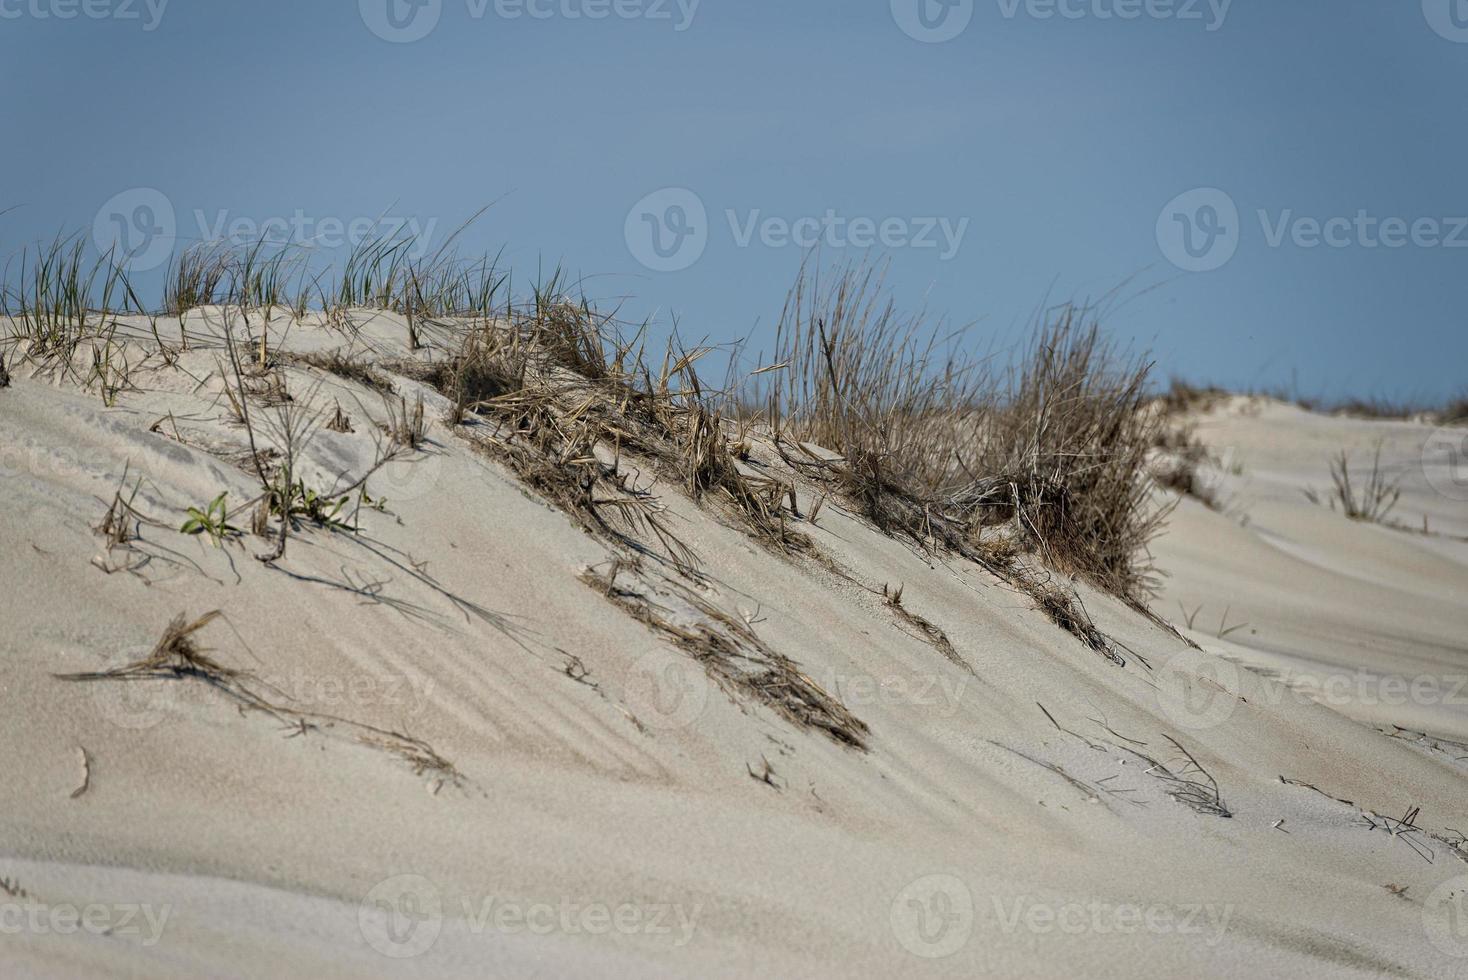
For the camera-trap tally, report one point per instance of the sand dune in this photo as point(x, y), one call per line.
point(598, 804)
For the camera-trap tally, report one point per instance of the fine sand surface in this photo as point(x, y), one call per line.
point(616, 813)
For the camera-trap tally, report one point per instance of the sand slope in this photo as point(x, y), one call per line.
point(618, 813)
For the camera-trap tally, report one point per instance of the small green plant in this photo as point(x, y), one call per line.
point(212, 520)
point(366, 499)
point(303, 503)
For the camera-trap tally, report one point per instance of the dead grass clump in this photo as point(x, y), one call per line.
point(1372, 502)
point(489, 363)
point(1182, 475)
point(711, 465)
point(175, 654)
point(344, 366)
point(120, 524)
point(1188, 783)
point(1374, 408)
point(734, 656)
point(569, 396)
point(1075, 434)
point(928, 630)
point(340, 421)
point(934, 443)
point(1066, 611)
point(406, 428)
point(1182, 398)
point(1455, 412)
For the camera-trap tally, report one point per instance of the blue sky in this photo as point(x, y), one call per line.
point(997, 150)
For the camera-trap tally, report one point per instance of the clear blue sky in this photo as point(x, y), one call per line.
point(1060, 140)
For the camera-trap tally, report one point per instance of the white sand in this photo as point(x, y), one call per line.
point(223, 843)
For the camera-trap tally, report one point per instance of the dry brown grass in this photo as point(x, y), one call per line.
point(347, 367)
point(177, 655)
point(1183, 398)
point(934, 445)
point(925, 628)
point(568, 398)
point(732, 654)
point(555, 393)
point(1371, 502)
